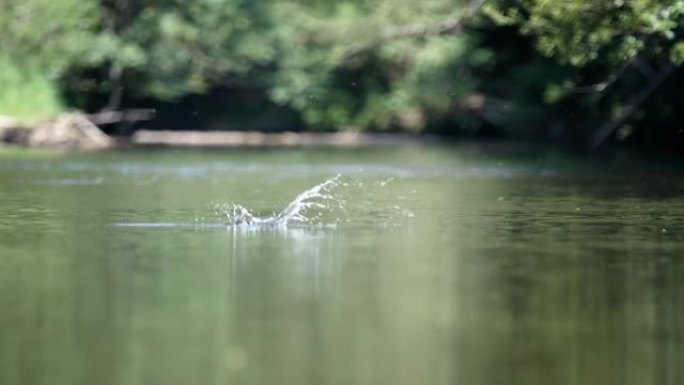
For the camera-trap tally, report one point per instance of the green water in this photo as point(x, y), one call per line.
point(468, 264)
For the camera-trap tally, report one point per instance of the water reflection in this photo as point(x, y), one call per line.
point(304, 257)
point(312, 307)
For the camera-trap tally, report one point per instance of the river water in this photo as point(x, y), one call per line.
point(462, 264)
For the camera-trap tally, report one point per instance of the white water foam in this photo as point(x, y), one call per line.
point(318, 197)
point(330, 204)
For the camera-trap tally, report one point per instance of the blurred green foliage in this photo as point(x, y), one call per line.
point(39, 41)
point(620, 52)
point(528, 68)
point(170, 48)
point(49, 35)
point(26, 94)
point(369, 64)
point(581, 31)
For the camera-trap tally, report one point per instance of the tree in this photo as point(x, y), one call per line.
point(364, 63)
point(39, 41)
point(170, 48)
point(48, 35)
point(616, 38)
point(581, 31)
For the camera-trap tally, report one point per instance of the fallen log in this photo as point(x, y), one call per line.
point(112, 116)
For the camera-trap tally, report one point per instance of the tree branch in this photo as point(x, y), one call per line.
point(110, 117)
point(599, 89)
point(607, 129)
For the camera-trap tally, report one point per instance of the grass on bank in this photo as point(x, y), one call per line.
point(27, 94)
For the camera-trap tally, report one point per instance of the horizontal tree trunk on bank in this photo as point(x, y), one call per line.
point(261, 139)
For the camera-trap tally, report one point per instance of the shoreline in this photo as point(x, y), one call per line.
point(228, 139)
point(74, 131)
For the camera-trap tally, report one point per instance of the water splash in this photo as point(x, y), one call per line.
point(315, 197)
point(336, 203)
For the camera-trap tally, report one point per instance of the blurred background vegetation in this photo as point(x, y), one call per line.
point(577, 71)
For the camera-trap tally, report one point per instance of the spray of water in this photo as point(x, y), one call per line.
point(315, 197)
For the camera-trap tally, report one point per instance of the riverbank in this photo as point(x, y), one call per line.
point(67, 131)
point(146, 138)
point(74, 131)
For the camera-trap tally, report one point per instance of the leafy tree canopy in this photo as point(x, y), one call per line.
point(170, 48)
point(368, 63)
point(49, 35)
point(579, 31)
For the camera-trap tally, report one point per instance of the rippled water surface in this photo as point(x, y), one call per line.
point(464, 264)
